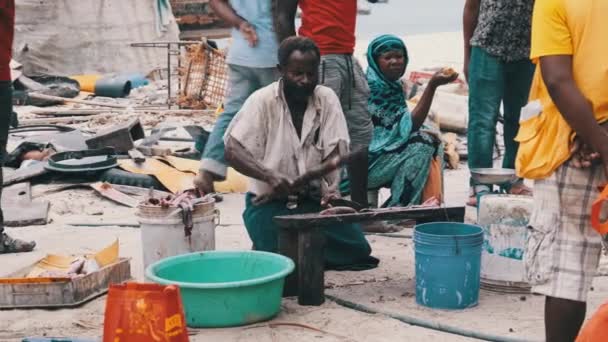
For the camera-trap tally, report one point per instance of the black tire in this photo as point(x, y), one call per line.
point(120, 177)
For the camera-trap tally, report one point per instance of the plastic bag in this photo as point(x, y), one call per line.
point(144, 313)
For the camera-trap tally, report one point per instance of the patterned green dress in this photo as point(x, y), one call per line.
point(399, 157)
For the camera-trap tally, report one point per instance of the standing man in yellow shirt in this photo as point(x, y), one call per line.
point(570, 91)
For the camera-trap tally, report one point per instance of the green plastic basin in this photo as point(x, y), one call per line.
point(225, 288)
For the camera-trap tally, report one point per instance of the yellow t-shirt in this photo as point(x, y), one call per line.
point(564, 27)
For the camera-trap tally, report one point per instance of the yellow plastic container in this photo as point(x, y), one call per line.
point(87, 82)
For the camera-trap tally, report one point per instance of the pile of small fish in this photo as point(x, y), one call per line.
point(184, 201)
point(345, 209)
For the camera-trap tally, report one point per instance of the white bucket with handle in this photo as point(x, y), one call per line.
point(163, 232)
point(504, 219)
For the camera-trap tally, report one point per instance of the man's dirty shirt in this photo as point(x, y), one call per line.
point(265, 128)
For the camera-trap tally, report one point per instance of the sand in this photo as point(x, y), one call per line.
point(389, 288)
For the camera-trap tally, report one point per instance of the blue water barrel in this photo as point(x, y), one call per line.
point(113, 86)
point(137, 80)
point(448, 262)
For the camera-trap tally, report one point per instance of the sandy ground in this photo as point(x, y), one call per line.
point(339, 323)
point(389, 288)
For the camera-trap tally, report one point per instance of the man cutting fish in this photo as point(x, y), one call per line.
point(283, 131)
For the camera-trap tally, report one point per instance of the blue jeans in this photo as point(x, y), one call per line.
point(492, 81)
point(242, 82)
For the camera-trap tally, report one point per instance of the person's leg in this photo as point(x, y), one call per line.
point(358, 174)
point(413, 170)
point(259, 223)
point(562, 249)
point(266, 76)
point(486, 88)
point(563, 319)
point(361, 137)
point(518, 78)
point(346, 78)
point(241, 84)
point(6, 110)
point(7, 244)
point(346, 246)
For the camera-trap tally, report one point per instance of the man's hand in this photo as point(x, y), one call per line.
point(224, 10)
point(281, 186)
point(249, 33)
point(328, 197)
point(203, 182)
point(582, 155)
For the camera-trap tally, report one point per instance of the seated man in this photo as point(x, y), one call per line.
point(282, 131)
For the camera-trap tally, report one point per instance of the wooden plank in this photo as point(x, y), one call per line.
point(420, 215)
point(21, 175)
point(102, 223)
point(26, 214)
point(73, 293)
point(72, 112)
point(65, 120)
point(17, 193)
point(96, 111)
point(89, 285)
point(140, 192)
point(106, 190)
point(311, 273)
point(288, 246)
point(34, 280)
point(68, 100)
point(45, 189)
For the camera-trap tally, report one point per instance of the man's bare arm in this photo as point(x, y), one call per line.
point(224, 10)
point(332, 179)
point(244, 162)
point(469, 23)
point(572, 104)
point(284, 12)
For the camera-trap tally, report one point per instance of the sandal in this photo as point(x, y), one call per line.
point(11, 245)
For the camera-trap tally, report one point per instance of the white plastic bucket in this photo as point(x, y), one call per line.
point(504, 219)
point(165, 236)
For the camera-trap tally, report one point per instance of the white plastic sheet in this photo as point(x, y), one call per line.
point(67, 37)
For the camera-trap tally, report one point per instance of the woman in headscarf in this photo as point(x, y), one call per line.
point(403, 150)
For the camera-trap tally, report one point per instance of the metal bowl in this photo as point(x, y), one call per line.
point(493, 176)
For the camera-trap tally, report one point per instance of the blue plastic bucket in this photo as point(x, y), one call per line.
point(448, 262)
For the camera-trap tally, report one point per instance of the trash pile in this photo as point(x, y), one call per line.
point(114, 133)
